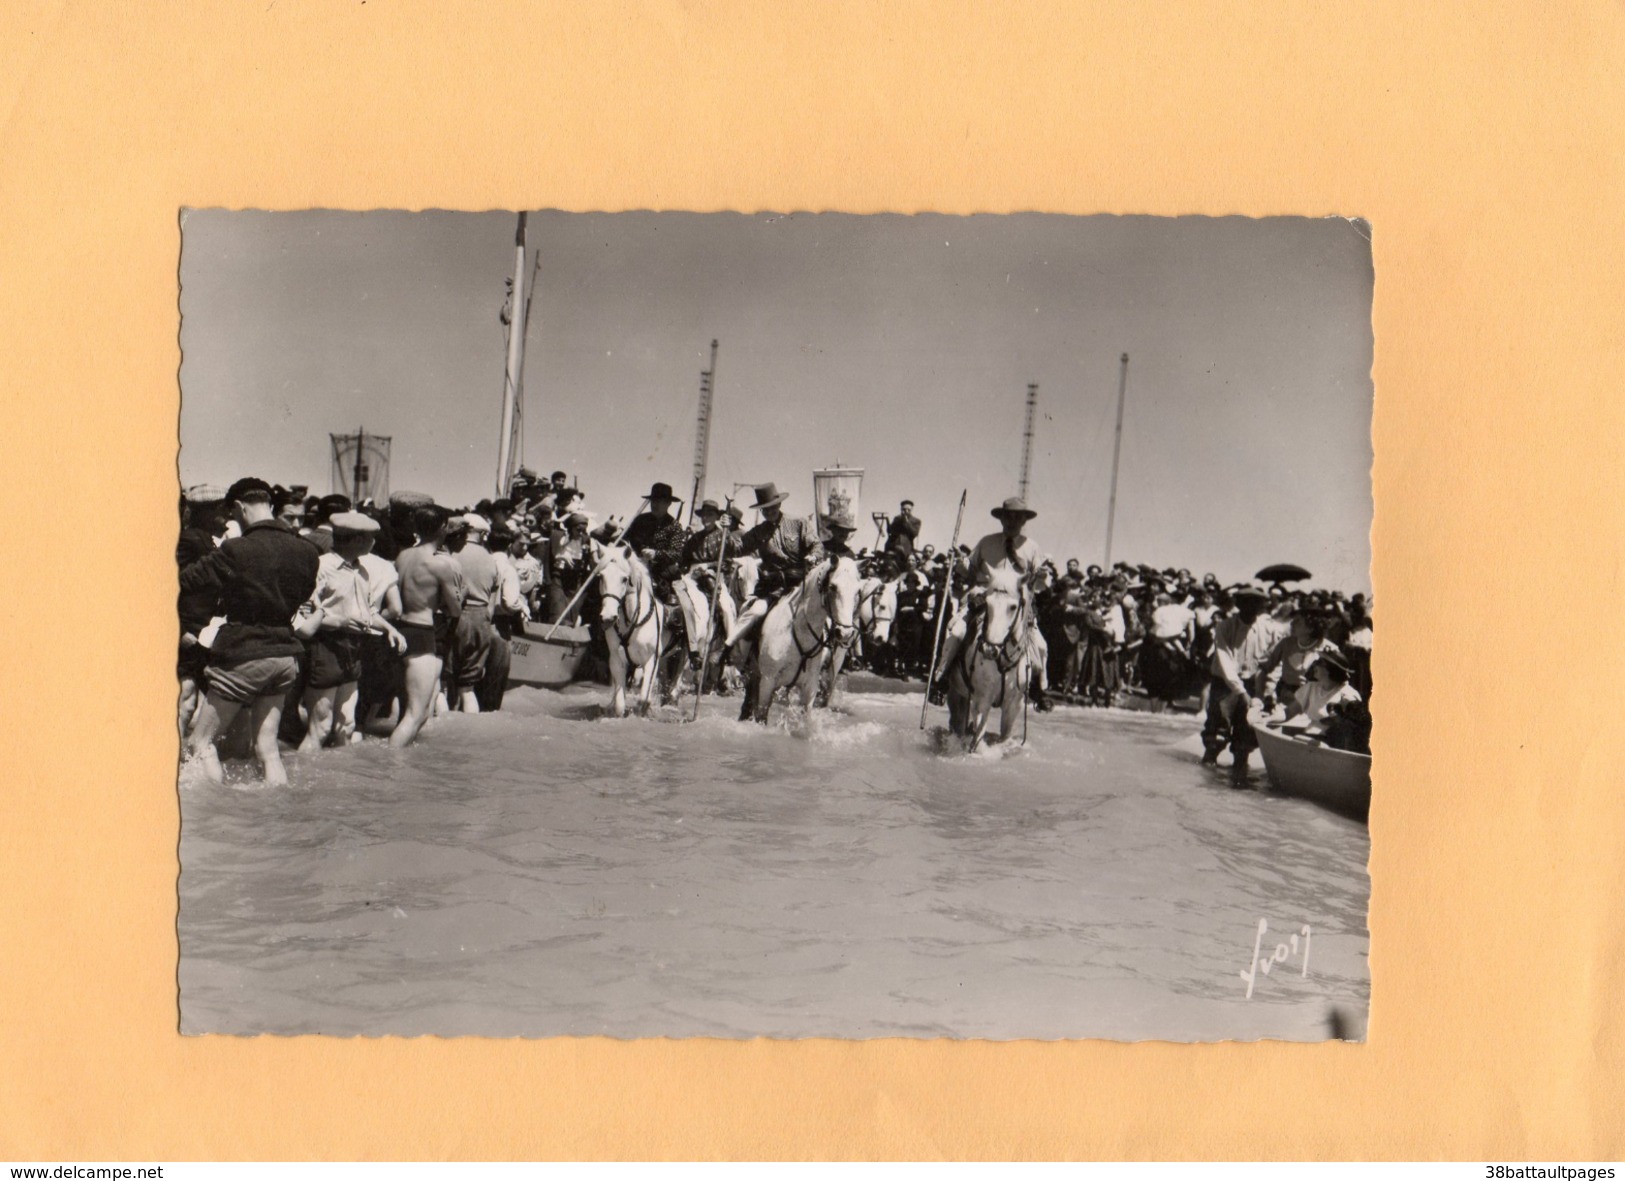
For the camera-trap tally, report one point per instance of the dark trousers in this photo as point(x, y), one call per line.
point(1227, 723)
point(495, 682)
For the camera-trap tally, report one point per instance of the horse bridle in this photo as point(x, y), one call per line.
point(832, 632)
point(998, 653)
point(620, 610)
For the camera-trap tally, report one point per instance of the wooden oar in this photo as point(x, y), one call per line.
point(597, 570)
point(942, 607)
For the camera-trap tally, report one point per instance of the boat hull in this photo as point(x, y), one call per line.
point(1338, 779)
point(547, 662)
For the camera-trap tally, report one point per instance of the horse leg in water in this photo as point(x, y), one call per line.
point(619, 666)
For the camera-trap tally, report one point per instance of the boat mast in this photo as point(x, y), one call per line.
point(1027, 438)
point(516, 359)
point(360, 451)
point(1117, 451)
point(702, 430)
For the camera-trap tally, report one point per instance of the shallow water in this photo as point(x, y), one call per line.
point(546, 871)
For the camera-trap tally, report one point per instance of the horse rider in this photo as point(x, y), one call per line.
point(838, 529)
point(1009, 550)
point(788, 547)
point(658, 538)
point(714, 540)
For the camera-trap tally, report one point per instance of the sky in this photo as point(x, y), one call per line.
point(899, 344)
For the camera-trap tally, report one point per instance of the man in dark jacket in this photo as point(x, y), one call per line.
point(658, 538)
point(904, 531)
point(262, 578)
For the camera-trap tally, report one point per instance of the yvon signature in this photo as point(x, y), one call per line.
point(1264, 960)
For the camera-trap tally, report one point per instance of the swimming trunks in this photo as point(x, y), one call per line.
point(422, 639)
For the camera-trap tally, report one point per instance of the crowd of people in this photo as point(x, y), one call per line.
point(322, 617)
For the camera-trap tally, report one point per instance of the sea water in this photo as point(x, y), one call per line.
point(547, 870)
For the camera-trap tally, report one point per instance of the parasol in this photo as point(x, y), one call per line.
point(1282, 572)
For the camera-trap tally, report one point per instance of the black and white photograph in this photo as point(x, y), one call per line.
point(734, 625)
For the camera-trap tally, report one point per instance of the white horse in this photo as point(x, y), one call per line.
point(802, 632)
point(990, 670)
point(634, 619)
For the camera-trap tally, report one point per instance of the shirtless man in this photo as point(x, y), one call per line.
point(431, 603)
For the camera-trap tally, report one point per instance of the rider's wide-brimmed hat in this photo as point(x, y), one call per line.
point(842, 521)
point(660, 491)
point(768, 495)
point(1014, 506)
point(709, 506)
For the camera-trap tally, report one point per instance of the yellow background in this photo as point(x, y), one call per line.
point(1483, 142)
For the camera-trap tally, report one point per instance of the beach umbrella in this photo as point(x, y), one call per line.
point(1282, 572)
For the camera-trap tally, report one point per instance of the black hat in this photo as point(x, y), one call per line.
point(767, 495)
point(249, 487)
point(658, 491)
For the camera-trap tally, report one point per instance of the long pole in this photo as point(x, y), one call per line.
point(510, 378)
point(1027, 438)
point(596, 570)
point(360, 451)
point(1117, 451)
point(702, 430)
point(942, 606)
point(516, 447)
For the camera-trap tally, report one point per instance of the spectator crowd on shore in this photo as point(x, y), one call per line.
point(321, 616)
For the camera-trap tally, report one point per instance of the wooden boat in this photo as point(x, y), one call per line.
point(1338, 779)
point(547, 661)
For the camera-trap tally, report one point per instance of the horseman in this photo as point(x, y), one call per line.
point(658, 538)
point(788, 547)
point(1009, 550)
point(713, 541)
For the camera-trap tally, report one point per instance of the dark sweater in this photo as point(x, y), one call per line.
point(263, 577)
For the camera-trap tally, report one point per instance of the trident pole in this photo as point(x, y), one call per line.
point(942, 607)
point(1117, 451)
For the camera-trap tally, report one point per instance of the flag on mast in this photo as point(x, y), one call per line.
point(361, 466)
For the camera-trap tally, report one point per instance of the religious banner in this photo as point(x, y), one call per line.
point(361, 467)
point(837, 490)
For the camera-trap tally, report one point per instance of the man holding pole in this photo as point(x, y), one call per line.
point(1011, 550)
point(658, 538)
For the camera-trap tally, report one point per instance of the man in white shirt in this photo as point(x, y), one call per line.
point(1009, 551)
point(350, 599)
point(1241, 645)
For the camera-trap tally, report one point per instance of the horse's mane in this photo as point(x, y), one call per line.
point(1003, 580)
point(820, 574)
point(623, 555)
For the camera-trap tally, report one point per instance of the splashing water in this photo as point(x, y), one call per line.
point(546, 870)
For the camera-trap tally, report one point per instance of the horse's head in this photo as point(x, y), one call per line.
point(614, 580)
point(1001, 607)
point(838, 586)
point(885, 610)
point(747, 570)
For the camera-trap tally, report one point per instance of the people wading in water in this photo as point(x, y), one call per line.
point(1010, 549)
point(431, 604)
